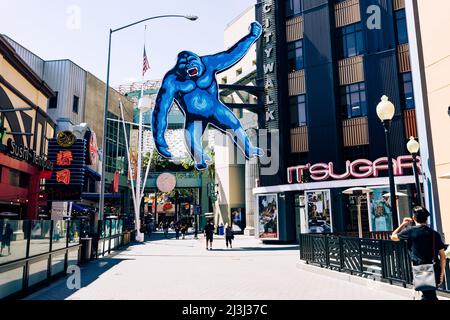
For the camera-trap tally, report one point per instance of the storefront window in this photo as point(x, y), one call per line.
point(353, 100)
point(297, 106)
point(350, 41)
point(319, 211)
point(18, 179)
point(295, 55)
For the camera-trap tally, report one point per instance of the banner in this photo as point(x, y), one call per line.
point(268, 217)
point(319, 211)
point(380, 212)
point(238, 219)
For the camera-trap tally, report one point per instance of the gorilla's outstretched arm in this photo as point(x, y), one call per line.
point(163, 105)
point(224, 60)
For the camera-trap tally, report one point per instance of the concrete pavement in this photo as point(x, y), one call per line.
point(183, 270)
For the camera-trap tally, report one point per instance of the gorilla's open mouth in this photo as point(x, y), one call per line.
point(193, 72)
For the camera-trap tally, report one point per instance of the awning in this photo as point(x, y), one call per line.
point(95, 175)
point(96, 196)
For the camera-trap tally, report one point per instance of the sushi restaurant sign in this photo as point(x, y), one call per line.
point(28, 155)
point(358, 169)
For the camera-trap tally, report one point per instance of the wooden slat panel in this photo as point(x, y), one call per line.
point(297, 83)
point(399, 4)
point(356, 132)
point(294, 29)
point(299, 140)
point(410, 123)
point(351, 70)
point(403, 58)
point(347, 12)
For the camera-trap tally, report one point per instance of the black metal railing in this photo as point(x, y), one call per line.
point(34, 253)
point(381, 259)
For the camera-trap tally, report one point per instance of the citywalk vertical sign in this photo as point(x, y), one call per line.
point(270, 64)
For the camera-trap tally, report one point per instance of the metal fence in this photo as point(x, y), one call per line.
point(380, 259)
point(34, 253)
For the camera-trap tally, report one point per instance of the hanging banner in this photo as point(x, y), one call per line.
point(380, 212)
point(319, 211)
point(268, 217)
point(238, 219)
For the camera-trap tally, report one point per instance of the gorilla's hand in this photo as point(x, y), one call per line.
point(256, 29)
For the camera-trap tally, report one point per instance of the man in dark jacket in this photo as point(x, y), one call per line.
point(209, 233)
point(424, 244)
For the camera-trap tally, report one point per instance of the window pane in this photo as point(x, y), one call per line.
point(40, 237)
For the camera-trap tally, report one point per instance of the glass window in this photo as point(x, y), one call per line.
point(76, 101)
point(408, 91)
point(40, 237)
point(297, 107)
point(116, 154)
point(18, 179)
point(293, 7)
point(53, 102)
point(353, 100)
point(350, 41)
point(13, 239)
point(59, 234)
point(402, 29)
point(295, 56)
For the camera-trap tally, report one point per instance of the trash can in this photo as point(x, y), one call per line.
point(221, 231)
point(86, 248)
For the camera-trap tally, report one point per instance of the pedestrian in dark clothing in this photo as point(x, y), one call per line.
point(229, 235)
point(6, 239)
point(183, 230)
point(425, 245)
point(209, 234)
point(166, 229)
point(177, 230)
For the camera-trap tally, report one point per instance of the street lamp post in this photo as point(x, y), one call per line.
point(386, 112)
point(413, 147)
point(111, 31)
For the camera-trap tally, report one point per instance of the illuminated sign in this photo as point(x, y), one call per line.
point(66, 139)
point(64, 158)
point(358, 169)
point(269, 64)
point(63, 176)
point(29, 155)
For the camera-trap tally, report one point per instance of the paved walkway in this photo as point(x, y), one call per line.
point(183, 270)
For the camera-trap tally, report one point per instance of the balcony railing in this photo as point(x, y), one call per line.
point(399, 4)
point(381, 259)
point(404, 61)
point(347, 12)
point(294, 29)
point(299, 140)
point(409, 117)
point(351, 70)
point(296, 81)
point(356, 131)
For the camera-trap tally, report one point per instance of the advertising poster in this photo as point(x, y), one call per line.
point(238, 219)
point(319, 211)
point(380, 213)
point(268, 217)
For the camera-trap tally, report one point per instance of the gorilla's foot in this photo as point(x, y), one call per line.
point(201, 166)
point(255, 152)
point(165, 152)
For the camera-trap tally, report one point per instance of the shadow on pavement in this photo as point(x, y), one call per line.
point(90, 272)
point(293, 248)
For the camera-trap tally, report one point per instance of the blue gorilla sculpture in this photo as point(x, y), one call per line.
point(192, 84)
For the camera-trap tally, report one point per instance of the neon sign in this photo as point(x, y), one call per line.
point(358, 169)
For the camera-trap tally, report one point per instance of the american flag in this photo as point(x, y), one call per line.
point(146, 64)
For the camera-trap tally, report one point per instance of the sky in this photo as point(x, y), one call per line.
point(78, 30)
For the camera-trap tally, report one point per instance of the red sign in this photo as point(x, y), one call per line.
point(116, 182)
point(358, 169)
point(63, 176)
point(64, 158)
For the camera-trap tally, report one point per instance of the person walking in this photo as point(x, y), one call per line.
point(229, 235)
point(166, 229)
point(183, 230)
point(424, 245)
point(209, 234)
point(6, 239)
point(177, 230)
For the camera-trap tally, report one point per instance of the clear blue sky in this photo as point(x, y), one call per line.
point(53, 29)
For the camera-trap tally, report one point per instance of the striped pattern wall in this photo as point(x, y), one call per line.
point(299, 140)
point(351, 70)
point(409, 117)
point(347, 12)
point(399, 4)
point(294, 29)
point(356, 131)
point(297, 83)
point(403, 58)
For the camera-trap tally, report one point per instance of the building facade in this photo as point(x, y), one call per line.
point(430, 59)
point(325, 66)
point(25, 130)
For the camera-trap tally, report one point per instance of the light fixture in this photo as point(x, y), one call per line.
point(413, 146)
point(385, 109)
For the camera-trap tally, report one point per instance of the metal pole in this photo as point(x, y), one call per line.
point(138, 180)
point(393, 196)
point(416, 177)
point(105, 122)
point(358, 206)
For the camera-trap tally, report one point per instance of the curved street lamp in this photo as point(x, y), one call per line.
point(413, 147)
point(386, 112)
point(111, 31)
